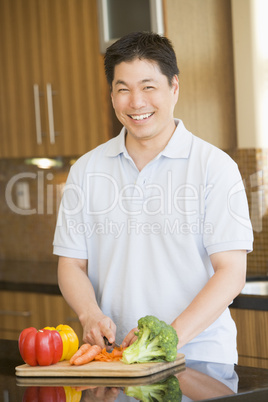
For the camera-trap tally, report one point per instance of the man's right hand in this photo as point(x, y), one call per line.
point(94, 331)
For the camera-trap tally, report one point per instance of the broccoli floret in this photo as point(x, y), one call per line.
point(157, 341)
point(167, 390)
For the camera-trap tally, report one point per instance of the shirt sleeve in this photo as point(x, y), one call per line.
point(226, 208)
point(69, 237)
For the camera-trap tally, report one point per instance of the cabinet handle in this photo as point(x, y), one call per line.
point(16, 313)
point(50, 114)
point(37, 114)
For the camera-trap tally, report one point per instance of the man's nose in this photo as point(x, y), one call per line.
point(137, 100)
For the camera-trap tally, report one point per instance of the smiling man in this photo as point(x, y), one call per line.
point(181, 208)
point(144, 102)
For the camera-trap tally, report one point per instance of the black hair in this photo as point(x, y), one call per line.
point(142, 45)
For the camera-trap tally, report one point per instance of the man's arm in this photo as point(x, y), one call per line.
point(212, 300)
point(215, 297)
point(78, 291)
point(197, 385)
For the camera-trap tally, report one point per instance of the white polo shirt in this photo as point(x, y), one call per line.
point(148, 235)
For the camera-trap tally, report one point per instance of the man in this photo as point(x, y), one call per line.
point(155, 221)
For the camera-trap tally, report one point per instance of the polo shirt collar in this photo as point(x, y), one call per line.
point(117, 144)
point(179, 146)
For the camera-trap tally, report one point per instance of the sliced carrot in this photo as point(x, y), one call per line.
point(115, 355)
point(87, 353)
point(80, 352)
point(88, 356)
point(117, 352)
point(103, 356)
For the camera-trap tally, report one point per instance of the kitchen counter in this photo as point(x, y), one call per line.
point(254, 296)
point(29, 276)
point(41, 277)
point(246, 383)
point(251, 302)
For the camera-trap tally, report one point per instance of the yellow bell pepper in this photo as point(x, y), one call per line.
point(69, 340)
point(72, 395)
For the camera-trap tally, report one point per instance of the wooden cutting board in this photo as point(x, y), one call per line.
point(97, 369)
point(98, 381)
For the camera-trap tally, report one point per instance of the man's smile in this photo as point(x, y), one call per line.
point(140, 116)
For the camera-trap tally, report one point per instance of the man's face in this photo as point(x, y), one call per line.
point(143, 100)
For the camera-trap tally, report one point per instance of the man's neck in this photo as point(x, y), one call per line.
point(143, 151)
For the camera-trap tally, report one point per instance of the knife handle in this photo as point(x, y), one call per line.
point(107, 343)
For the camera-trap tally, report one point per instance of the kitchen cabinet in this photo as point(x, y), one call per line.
point(54, 99)
point(21, 310)
point(252, 330)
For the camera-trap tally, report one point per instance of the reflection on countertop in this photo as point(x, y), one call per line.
point(197, 381)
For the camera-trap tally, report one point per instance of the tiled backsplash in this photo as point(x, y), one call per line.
point(253, 165)
point(29, 236)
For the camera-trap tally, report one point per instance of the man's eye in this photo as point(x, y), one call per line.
point(148, 87)
point(123, 90)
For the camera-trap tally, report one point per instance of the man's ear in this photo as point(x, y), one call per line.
point(112, 98)
point(175, 88)
point(175, 84)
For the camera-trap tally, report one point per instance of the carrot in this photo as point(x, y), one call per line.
point(81, 389)
point(117, 352)
point(103, 356)
point(80, 352)
point(85, 354)
point(88, 356)
point(115, 355)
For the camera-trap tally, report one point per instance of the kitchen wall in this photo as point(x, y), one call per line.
point(27, 234)
point(201, 32)
point(219, 102)
point(253, 165)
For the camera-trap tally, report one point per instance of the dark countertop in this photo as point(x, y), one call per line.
point(251, 302)
point(250, 383)
point(29, 276)
point(41, 277)
point(254, 295)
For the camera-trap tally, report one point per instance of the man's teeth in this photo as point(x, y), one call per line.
point(141, 116)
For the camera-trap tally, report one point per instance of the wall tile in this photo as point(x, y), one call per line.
point(29, 237)
point(253, 165)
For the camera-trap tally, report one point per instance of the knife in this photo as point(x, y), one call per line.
point(107, 343)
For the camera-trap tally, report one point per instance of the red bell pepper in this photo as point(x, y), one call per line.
point(43, 347)
point(44, 394)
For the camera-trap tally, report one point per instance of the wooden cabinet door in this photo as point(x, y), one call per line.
point(21, 310)
point(21, 68)
point(252, 329)
point(75, 70)
point(52, 46)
